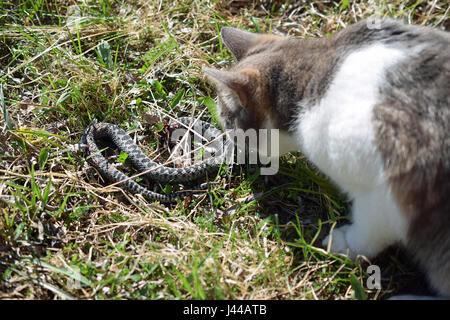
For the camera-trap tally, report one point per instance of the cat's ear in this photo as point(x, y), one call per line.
point(242, 83)
point(239, 41)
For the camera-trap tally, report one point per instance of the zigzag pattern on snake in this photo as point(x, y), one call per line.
point(158, 172)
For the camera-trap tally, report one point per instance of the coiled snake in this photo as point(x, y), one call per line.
point(154, 171)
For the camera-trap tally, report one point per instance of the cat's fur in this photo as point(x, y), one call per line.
point(370, 107)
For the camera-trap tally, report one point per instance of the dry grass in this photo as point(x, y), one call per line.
point(62, 235)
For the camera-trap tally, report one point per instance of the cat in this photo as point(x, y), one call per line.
point(370, 107)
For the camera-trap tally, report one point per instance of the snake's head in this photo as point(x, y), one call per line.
point(83, 145)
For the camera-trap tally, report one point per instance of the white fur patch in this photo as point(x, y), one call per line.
point(337, 135)
point(286, 142)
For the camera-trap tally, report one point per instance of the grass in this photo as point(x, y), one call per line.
point(138, 63)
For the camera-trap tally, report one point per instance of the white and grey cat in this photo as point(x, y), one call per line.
point(370, 107)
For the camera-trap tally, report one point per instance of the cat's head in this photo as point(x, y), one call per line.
point(243, 92)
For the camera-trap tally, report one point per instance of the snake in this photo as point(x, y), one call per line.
point(150, 169)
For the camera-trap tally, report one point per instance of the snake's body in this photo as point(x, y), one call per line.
point(154, 171)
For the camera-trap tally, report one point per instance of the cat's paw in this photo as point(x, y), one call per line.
point(339, 242)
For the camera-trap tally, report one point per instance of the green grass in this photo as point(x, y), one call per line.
point(138, 63)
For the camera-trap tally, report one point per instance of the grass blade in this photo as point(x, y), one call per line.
point(360, 294)
point(5, 111)
point(172, 38)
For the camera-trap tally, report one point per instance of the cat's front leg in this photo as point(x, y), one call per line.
point(352, 241)
point(377, 223)
point(336, 242)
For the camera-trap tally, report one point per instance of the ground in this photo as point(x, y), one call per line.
point(138, 63)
